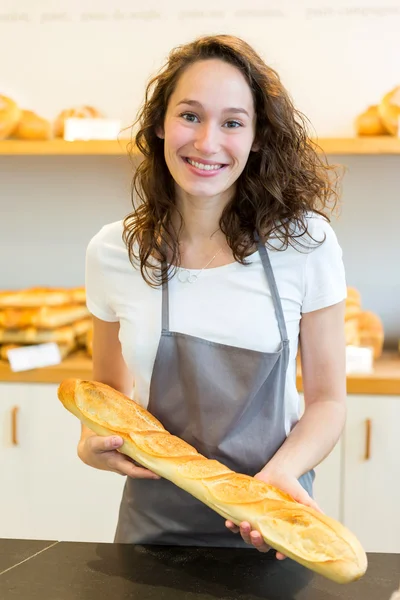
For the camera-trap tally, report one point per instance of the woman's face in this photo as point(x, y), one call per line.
point(209, 128)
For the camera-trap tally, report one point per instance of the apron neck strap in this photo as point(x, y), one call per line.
point(274, 289)
point(165, 308)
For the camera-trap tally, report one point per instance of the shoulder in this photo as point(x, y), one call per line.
point(319, 229)
point(108, 235)
point(304, 236)
point(107, 245)
point(313, 231)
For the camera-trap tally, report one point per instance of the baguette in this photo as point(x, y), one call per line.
point(45, 317)
point(32, 335)
point(312, 539)
point(41, 296)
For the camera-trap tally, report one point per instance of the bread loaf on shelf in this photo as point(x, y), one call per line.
point(33, 127)
point(389, 110)
point(45, 317)
point(362, 327)
point(369, 122)
point(33, 335)
point(10, 114)
point(41, 296)
point(312, 539)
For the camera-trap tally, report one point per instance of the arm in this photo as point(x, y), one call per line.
point(109, 367)
point(317, 432)
point(108, 364)
point(323, 363)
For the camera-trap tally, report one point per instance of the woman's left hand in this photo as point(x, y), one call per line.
point(285, 482)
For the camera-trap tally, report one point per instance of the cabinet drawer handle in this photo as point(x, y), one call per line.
point(14, 436)
point(368, 428)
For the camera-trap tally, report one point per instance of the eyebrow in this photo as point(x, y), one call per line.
point(198, 104)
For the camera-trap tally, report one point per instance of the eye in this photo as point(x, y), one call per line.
point(190, 117)
point(233, 124)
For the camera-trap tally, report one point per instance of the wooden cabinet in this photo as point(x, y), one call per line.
point(371, 472)
point(47, 492)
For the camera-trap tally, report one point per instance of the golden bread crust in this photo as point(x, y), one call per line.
point(303, 534)
point(41, 296)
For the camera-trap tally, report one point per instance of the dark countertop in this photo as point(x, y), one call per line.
point(33, 570)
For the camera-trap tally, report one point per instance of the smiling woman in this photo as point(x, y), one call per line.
point(230, 192)
point(218, 112)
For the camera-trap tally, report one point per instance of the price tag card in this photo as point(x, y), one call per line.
point(34, 357)
point(359, 360)
point(91, 129)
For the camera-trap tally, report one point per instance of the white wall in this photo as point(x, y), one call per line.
point(335, 59)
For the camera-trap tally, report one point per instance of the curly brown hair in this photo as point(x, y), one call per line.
point(283, 181)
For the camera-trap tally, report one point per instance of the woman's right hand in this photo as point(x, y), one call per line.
point(102, 453)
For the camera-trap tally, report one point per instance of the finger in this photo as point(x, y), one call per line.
point(101, 444)
point(245, 530)
point(258, 542)
point(124, 466)
point(234, 528)
point(308, 501)
point(280, 556)
point(300, 495)
point(142, 473)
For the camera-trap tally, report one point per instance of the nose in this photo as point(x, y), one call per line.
point(207, 139)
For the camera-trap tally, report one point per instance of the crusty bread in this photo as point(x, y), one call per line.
point(351, 332)
point(371, 331)
point(33, 127)
point(312, 539)
point(369, 122)
point(389, 110)
point(82, 326)
point(41, 296)
point(10, 114)
point(32, 335)
point(45, 317)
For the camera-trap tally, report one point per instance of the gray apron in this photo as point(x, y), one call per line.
point(228, 403)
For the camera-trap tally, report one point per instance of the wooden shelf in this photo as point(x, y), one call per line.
point(356, 145)
point(361, 145)
point(62, 148)
point(385, 380)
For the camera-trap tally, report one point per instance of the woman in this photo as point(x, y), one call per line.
point(201, 296)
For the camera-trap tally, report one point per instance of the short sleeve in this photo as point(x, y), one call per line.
point(96, 281)
point(324, 273)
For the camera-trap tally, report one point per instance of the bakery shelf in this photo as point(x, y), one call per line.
point(60, 147)
point(384, 381)
point(361, 145)
point(356, 145)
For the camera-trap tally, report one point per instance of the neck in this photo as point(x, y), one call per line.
point(200, 218)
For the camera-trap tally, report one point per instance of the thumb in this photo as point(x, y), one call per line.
point(300, 495)
point(105, 444)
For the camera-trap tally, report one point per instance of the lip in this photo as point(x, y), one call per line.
point(202, 172)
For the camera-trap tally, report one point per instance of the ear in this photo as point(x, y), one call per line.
point(160, 132)
point(255, 146)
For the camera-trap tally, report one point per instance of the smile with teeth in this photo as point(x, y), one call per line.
point(203, 166)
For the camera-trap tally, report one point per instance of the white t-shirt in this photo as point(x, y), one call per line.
point(231, 304)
